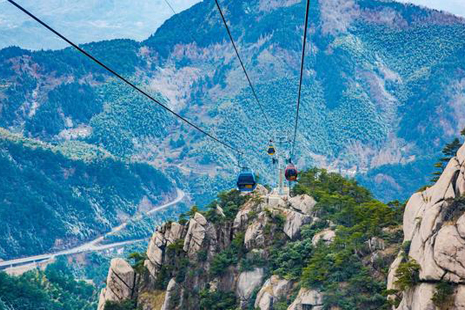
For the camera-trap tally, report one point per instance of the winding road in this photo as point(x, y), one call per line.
point(93, 245)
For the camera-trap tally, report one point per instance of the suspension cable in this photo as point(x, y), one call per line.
point(123, 79)
point(301, 76)
point(242, 63)
point(172, 10)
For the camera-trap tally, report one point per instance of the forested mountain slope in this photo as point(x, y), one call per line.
point(382, 80)
point(330, 246)
point(53, 289)
point(56, 196)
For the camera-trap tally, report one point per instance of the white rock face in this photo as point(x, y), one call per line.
point(195, 234)
point(418, 298)
point(273, 289)
point(449, 251)
point(174, 233)
point(294, 222)
point(120, 283)
point(242, 217)
point(247, 282)
point(254, 235)
point(326, 236)
point(164, 236)
point(170, 291)
point(303, 203)
point(310, 298)
point(261, 190)
point(436, 235)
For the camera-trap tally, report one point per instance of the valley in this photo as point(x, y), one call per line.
point(94, 245)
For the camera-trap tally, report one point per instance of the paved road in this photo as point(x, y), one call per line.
point(93, 245)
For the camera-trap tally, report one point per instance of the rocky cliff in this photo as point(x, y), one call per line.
point(257, 251)
point(331, 246)
point(429, 272)
point(200, 240)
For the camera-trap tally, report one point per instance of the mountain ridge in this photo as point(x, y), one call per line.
point(350, 69)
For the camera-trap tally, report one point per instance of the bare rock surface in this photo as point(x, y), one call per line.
point(434, 229)
point(303, 203)
point(171, 290)
point(326, 236)
point(195, 234)
point(120, 283)
point(248, 281)
point(294, 222)
point(274, 289)
point(307, 299)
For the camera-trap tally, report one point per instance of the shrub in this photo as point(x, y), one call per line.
point(218, 300)
point(138, 260)
point(455, 209)
point(117, 305)
point(407, 274)
point(442, 297)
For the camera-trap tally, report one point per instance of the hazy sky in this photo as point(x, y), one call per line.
point(93, 20)
point(83, 20)
point(456, 7)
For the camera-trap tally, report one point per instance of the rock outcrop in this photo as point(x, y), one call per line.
point(171, 290)
point(121, 283)
point(248, 281)
point(167, 234)
point(327, 236)
point(434, 237)
point(294, 221)
point(273, 290)
point(195, 234)
point(307, 299)
point(180, 257)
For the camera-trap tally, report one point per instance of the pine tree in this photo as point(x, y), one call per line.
point(449, 151)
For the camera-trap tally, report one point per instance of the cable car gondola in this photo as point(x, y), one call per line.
point(271, 150)
point(246, 181)
point(291, 173)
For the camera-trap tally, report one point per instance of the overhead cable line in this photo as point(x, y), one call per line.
point(242, 63)
point(122, 78)
point(301, 76)
point(174, 12)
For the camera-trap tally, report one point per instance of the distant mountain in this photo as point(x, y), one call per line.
point(384, 90)
point(85, 20)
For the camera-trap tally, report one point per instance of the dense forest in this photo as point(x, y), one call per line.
point(53, 289)
point(69, 193)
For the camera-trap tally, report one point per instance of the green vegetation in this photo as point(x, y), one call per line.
point(217, 300)
point(124, 305)
point(442, 297)
point(358, 218)
point(53, 289)
point(449, 151)
point(339, 269)
point(47, 194)
point(407, 274)
point(138, 260)
point(229, 202)
point(230, 256)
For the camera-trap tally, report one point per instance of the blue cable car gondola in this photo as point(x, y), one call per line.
point(271, 150)
point(246, 181)
point(291, 173)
